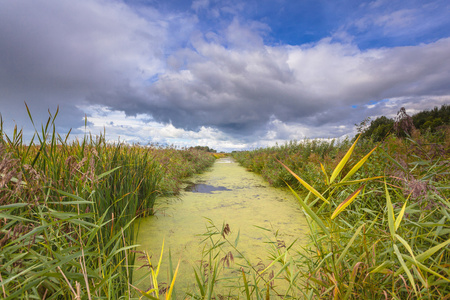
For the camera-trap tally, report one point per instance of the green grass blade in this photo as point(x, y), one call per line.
point(343, 161)
point(310, 212)
point(405, 268)
point(236, 241)
point(305, 184)
point(391, 217)
point(349, 244)
point(346, 202)
point(358, 165)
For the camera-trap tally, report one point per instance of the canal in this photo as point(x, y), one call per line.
point(225, 194)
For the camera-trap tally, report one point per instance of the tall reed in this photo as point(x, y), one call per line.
point(67, 211)
point(379, 221)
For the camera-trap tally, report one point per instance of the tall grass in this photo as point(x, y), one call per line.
point(378, 213)
point(67, 210)
point(375, 237)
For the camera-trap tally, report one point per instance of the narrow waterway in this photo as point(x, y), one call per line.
point(229, 194)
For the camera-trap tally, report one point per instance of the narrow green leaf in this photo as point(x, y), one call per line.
point(358, 165)
point(394, 161)
point(405, 268)
point(349, 244)
point(305, 184)
point(108, 172)
point(390, 207)
point(13, 205)
point(343, 161)
point(200, 284)
point(78, 198)
point(424, 268)
point(236, 241)
point(425, 255)
point(309, 211)
point(381, 268)
point(346, 202)
point(247, 292)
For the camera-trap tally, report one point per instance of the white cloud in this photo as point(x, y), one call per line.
point(239, 89)
point(199, 4)
point(148, 76)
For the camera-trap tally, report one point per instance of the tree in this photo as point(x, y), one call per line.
point(378, 128)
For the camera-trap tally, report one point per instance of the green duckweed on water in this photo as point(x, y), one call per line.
point(227, 194)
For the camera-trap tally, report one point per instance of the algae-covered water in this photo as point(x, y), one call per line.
point(227, 193)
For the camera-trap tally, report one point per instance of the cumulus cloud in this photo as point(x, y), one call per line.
point(165, 77)
point(239, 90)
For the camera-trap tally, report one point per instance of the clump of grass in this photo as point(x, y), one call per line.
point(225, 272)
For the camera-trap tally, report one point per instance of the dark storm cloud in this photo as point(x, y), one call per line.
point(59, 52)
point(169, 68)
point(239, 89)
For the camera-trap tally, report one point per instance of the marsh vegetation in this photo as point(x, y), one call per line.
point(377, 211)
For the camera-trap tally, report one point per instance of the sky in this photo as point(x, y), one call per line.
point(228, 74)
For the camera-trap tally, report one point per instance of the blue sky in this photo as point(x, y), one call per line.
point(227, 74)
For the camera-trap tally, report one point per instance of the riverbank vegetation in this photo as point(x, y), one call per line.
point(68, 210)
point(378, 211)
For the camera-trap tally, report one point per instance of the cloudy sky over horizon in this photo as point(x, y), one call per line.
point(227, 74)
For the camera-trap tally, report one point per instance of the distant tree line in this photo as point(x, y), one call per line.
point(424, 121)
point(204, 148)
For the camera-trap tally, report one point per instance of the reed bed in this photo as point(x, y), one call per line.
point(378, 213)
point(67, 211)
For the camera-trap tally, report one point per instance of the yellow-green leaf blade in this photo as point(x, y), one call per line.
point(425, 255)
point(326, 175)
point(391, 217)
point(343, 161)
point(346, 202)
point(357, 181)
point(309, 211)
point(402, 262)
point(358, 165)
point(169, 294)
point(304, 183)
point(399, 218)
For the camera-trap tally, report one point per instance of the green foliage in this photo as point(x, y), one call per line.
point(385, 239)
point(67, 211)
point(205, 148)
point(432, 119)
point(428, 120)
point(378, 129)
